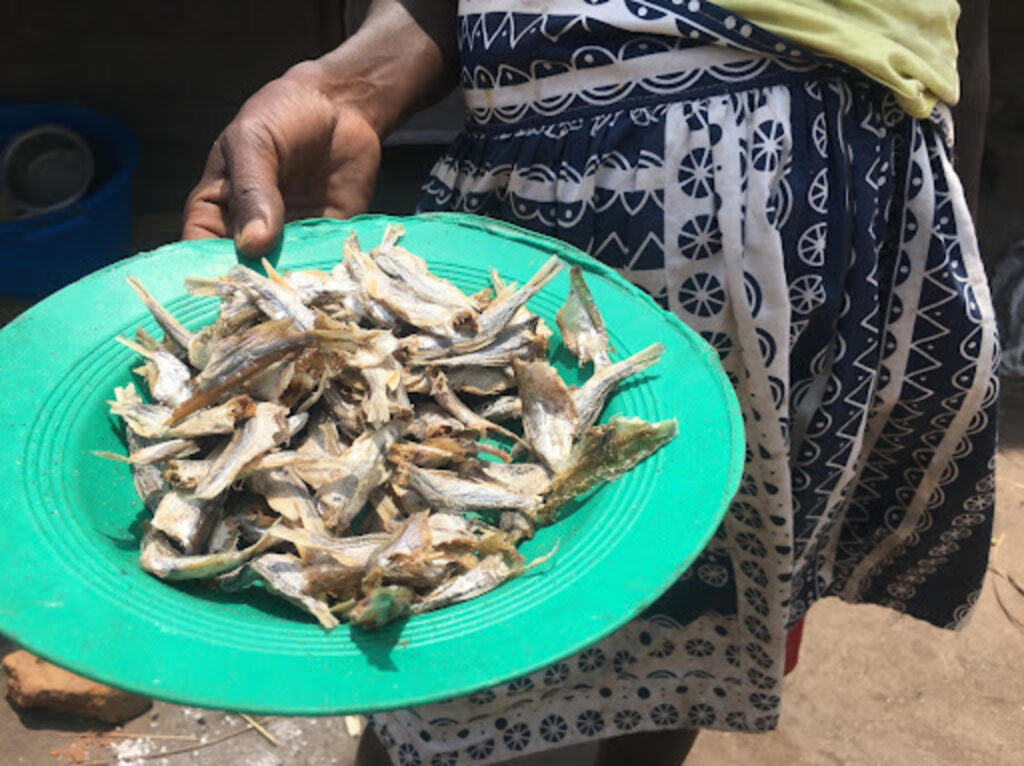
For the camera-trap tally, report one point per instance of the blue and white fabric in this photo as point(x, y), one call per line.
point(817, 237)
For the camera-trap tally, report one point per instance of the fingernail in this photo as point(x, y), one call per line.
point(255, 229)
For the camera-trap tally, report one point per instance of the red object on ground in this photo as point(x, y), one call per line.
point(793, 645)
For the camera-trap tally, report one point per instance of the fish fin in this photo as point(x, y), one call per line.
point(138, 348)
point(111, 456)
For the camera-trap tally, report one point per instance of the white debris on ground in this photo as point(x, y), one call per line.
point(354, 724)
point(285, 730)
point(128, 752)
point(194, 714)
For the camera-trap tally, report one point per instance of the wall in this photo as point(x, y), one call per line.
point(174, 72)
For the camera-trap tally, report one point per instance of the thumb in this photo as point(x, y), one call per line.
point(255, 205)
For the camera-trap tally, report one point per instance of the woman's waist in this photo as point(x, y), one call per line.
point(553, 59)
point(596, 80)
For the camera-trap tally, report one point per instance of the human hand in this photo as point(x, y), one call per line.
point(295, 150)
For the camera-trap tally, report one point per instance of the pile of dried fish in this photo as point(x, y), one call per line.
point(323, 437)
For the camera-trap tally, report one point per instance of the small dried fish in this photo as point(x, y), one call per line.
point(448, 492)
point(384, 513)
point(382, 606)
point(262, 432)
point(150, 484)
point(398, 299)
point(549, 414)
point(287, 494)
point(174, 329)
point(186, 519)
point(224, 536)
point(583, 331)
point(488, 575)
point(442, 450)
point(275, 297)
point(285, 576)
point(270, 384)
point(186, 474)
point(387, 396)
point(150, 420)
point(400, 264)
point(603, 454)
point(408, 500)
point(161, 559)
point(359, 471)
point(457, 533)
point(408, 558)
point(431, 421)
point(166, 375)
point(590, 398)
point(349, 417)
point(526, 478)
point(503, 308)
point(447, 399)
point(527, 341)
point(347, 551)
point(235, 359)
point(322, 438)
point(154, 453)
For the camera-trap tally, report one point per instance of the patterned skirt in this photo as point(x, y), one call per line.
point(817, 236)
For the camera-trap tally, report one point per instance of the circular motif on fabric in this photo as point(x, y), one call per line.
point(702, 295)
point(519, 685)
point(767, 145)
point(755, 572)
point(714, 575)
point(811, 245)
point(626, 720)
point(482, 698)
point(696, 173)
point(806, 293)
point(590, 660)
point(721, 342)
point(754, 294)
point(817, 194)
point(701, 714)
point(556, 674)
point(517, 736)
point(408, 755)
point(756, 600)
point(699, 647)
point(763, 701)
point(779, 204)
point(665, 714)
point(481, 751)
point(622, 660)
point(589, 723)
point(700, 238)
point(819, 134)
point(553, 728)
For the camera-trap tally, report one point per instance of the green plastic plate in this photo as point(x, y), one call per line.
point(69, 537)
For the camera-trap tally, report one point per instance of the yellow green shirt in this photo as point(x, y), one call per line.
point(907, 45)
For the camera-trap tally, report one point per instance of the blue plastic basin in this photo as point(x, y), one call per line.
point(41, 254)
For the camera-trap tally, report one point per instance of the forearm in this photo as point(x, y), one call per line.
point(402, 59)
